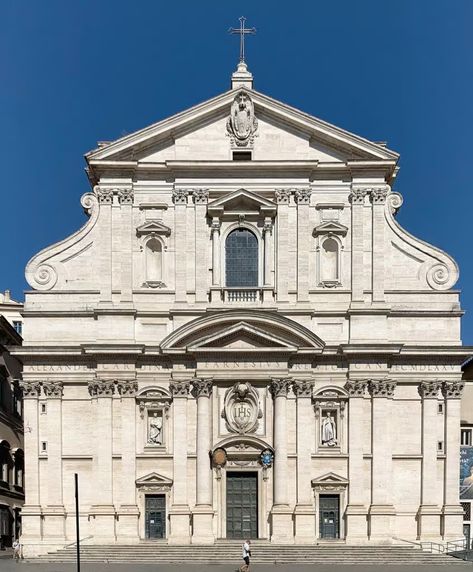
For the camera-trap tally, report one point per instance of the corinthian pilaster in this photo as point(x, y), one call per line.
point(54, 512)
point(102, 509)
point(382, 508)
point(180, 512)
point(356, 510)
point(128, 512)
point(304, 511)
point(452, 510)
point(203, 512)
point(378, 200)
point(357, 199)
point(281, 517)
point(429, 511)
point(31, 511)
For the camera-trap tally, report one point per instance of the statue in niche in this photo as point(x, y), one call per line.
point(328, 430)
point(155, 428)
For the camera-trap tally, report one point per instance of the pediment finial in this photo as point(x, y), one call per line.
point(242, 77)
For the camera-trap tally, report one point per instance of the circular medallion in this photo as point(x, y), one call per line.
point(267, 458)
point(219, 457)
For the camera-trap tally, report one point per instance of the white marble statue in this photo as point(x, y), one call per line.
point(329, 430)
point(155, 429)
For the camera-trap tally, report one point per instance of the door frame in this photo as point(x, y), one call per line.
point(166, 514)
point(262, 483)
point(257, 498)
point(331, 484)
point(318, 514)
point(142, 508)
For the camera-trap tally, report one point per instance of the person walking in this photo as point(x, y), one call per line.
point(16, 550)
point(246, 553)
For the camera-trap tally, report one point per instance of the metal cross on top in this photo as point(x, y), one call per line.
point(242, 31)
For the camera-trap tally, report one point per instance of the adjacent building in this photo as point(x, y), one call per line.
point(11, 423)
point(242, 341)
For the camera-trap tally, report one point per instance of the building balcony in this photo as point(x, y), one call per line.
point(241, 296)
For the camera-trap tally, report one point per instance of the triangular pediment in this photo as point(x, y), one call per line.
point(153, 480)
point(153, 227)
point(330, 479)
point(235, 330)
point(241, 336)
point(330, 227)
point(241, 202)
point(199, 133)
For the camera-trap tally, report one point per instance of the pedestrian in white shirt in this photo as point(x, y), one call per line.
point(246, 553)
point(16, 550)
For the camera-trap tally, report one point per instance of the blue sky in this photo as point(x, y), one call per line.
point(76, 72)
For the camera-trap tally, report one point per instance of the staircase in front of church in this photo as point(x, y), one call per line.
point(230, 552)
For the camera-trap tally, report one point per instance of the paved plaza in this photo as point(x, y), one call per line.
point(8, 565)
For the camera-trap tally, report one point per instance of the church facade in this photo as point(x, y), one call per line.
point(241, 341)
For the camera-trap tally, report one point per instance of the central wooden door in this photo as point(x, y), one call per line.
point(242, 505)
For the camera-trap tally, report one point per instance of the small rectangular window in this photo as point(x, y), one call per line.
point(439, 446)
point(440, 408)
point(18, 325)
point(43, 409)
point(44, 446)
point(242, 155)
point(466, 437)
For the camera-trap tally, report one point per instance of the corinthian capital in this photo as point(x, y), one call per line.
point(104, 195)
point(179, 388)
point(203, 387)
point(30, 389)
point(127, 388)
point(302, 196)
point(452, 389)
point(357, 196)
point(378, 195)
point(302, 387)
point(201, 196)
point(429, 389)
point(53, 389)
point(101, 388)
point(125, 196)
point(282, 196)
point(179, 196)
point(279, 386)
point(381, 388)
point(356, 388)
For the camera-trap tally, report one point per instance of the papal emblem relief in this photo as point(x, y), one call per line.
point(241, 409)
point(242, 123)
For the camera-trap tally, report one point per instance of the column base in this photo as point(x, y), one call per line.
point(30, 523)
point(381, 518)
point(179, 517)
point(281, 525)
point(202, 525)
point(356, 524)
point(103, 518)
point(452, 516)
point(304, 521)
point(429, 517)
point(54, 522)
point(127, 523)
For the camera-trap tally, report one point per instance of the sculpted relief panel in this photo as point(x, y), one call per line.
point(241, 409)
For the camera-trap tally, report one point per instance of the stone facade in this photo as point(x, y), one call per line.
point(156, 381)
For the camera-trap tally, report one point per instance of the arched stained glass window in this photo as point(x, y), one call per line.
point(241, 258)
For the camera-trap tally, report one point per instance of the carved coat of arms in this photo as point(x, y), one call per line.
point(242, 123)
point(241, 409)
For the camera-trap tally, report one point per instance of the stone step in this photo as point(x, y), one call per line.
point(263, 553)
